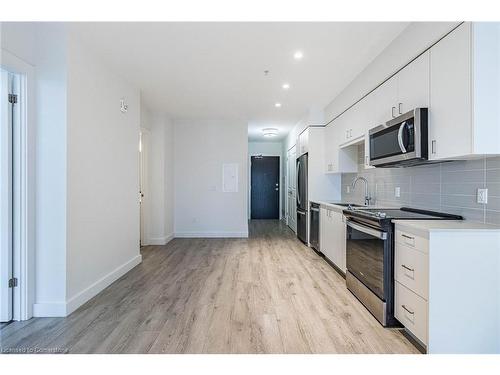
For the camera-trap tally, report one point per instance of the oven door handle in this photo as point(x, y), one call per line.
point(400, 137)
point(372, 232)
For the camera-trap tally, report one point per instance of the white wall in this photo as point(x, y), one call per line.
point(267, 149)
point(102, 175)
point(158, 203)
point(87, 212)
point(201, 149)
point(51, 166)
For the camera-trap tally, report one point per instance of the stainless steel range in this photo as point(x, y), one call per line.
point(370, 255)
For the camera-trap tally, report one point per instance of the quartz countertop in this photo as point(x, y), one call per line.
point(446, 225)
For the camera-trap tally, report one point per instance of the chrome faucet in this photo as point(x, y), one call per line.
point(367, 194)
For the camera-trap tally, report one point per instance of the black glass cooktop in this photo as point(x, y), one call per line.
point(403, 213)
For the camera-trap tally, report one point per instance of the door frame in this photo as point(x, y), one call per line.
point(250, 182)
point(144, 143)
point(24, 192)
point(287, 180)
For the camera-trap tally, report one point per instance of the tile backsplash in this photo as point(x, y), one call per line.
point(446, 187)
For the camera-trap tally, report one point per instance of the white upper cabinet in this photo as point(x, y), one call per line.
point(413, 85)
point(303, 142)
point(385, 99)
point(458, 79)
point(337, 159)
point(450, 111)
point(465, 92)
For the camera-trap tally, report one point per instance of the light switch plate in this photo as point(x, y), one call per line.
point(397, 192)
point(482, 196)
point(347, 189)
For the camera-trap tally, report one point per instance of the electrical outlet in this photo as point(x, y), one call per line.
point(397, 192)
point(482, 196)
point(348, 189)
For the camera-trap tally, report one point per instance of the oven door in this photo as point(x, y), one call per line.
point(402, 139)
point(366, 249)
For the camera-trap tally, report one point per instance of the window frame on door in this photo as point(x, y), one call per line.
point(24, 195)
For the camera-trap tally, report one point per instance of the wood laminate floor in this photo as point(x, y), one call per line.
point(265, 294)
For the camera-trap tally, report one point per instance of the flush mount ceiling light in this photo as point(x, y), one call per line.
point(270, 132)
point(298, 55)
point(286, 86)
point(277, 105)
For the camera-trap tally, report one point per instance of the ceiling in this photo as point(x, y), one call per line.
point(216, 70)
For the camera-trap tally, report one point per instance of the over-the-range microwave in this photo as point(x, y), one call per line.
point(400, 142)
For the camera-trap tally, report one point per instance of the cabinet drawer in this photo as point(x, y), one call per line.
point(412, 269)
point(411, 310)
point(412, 240)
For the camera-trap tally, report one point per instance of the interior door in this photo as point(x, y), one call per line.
point(5, 199)
point(265, 190)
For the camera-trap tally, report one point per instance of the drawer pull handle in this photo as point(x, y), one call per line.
point(407, 268)
point(409, 311)
point(405, 236)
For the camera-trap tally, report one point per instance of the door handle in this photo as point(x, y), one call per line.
point(400, 137)
point(399, 108)
point(392, 111)
point(407, 268)
point(408, 310)
point(433, 146)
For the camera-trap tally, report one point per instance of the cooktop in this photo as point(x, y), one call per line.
point(403, 213)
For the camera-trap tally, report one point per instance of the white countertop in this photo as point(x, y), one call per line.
point(446, 225)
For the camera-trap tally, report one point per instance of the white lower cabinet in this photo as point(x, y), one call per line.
point(411, 310)
point(411, 263)
point(332, 236)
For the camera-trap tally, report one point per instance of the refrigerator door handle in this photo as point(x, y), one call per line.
point(298, 182)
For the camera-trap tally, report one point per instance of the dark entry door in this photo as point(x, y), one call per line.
point(265, 189)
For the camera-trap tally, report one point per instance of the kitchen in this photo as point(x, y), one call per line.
point(390, 225)
point(263, 188)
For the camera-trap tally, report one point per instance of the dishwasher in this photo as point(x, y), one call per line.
point(314, 226)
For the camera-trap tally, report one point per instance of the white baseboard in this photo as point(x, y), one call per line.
point(211, 234)
point(80, 298)
point(160, 240)
point(49, 310)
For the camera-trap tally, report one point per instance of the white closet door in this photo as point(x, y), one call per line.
point(5, 199)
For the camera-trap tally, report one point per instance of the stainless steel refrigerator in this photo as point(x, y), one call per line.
point(302, 201)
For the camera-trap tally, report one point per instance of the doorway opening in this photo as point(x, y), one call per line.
point(265, 187)
point(143, 184)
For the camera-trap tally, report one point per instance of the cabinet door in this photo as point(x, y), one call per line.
point(360, 119)
point(338, 224)
point(384, 102)
point(304, 142)
point(342, 243)
point(413, 85)
point(450, 127)
point(323, 232)
point(331, 147)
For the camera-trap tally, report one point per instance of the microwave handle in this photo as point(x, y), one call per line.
point(400, 137)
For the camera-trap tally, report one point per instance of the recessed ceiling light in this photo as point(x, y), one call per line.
point(277, 105)
point(298, 55)
point(286, 86)
point(270, 132)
